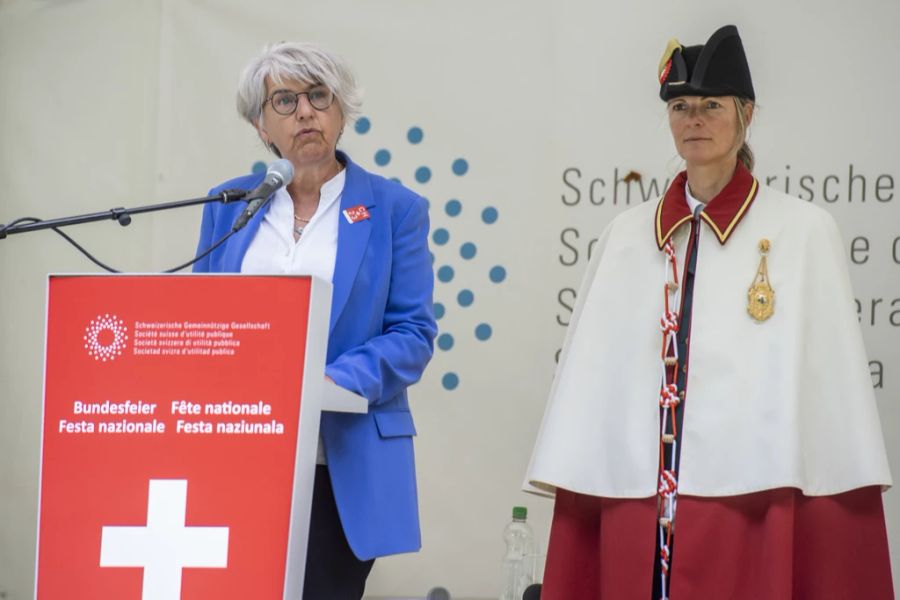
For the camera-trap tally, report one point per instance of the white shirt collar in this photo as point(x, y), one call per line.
point(695, 205)
point(281, 213)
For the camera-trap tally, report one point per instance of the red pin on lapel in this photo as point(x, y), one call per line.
point(355, 214)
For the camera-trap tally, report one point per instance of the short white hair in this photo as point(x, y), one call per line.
point(294, 61)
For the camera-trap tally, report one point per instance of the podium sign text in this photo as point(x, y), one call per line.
point(170, 436)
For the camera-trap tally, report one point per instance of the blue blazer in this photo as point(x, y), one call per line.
point(381, 337)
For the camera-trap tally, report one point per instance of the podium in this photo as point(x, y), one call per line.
point(180, 429)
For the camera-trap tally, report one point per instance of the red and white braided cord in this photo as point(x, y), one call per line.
point(668, 400)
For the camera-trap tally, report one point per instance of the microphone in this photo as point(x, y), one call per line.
point(277, 176)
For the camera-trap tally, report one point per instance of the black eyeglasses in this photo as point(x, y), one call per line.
point(285, 102)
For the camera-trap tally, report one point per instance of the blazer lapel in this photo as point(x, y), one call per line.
point(352, 237)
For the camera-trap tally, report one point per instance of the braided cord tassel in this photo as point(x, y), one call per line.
point(667, 492)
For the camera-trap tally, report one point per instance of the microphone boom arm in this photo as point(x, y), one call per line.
point(121, 215)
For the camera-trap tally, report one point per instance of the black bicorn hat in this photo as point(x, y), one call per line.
point(717, 68)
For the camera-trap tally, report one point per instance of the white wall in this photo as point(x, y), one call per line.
point(106, 103)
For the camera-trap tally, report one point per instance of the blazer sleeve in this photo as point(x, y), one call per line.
point(385, 365)
point(207, 226)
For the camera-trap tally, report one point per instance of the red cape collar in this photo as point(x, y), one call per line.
point(722, 213)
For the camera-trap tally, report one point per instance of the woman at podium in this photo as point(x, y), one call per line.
point(369, 237)
point(712, 429)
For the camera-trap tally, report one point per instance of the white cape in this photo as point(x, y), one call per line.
point(787, 402)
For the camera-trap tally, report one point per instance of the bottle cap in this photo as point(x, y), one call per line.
point(520, 513)
point(438, 593)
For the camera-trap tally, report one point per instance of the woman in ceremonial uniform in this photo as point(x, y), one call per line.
point(712, 430)
point(369, 237)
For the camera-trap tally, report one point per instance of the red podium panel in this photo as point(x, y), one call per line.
point(171, 466)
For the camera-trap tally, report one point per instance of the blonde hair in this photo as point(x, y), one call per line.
point(745, 154)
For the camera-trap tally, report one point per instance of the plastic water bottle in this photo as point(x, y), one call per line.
point(519, 540)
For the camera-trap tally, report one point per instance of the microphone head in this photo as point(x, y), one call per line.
point(532, 592)
point(282, 170)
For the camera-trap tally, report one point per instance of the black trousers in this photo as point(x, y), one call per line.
point(332, 570)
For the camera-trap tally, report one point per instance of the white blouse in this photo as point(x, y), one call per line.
point(274, 251)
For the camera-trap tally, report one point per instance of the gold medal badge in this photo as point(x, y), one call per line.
point(761, 296)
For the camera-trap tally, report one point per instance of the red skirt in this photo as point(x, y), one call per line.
point(772, 545)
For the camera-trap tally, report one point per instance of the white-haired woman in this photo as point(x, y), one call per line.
point(712, 431)
point(369, 236)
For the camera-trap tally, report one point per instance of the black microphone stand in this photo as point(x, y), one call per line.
point(123, 217)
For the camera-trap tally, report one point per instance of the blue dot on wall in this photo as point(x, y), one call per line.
point(445, 274)
point(465, 298)
point(431, 254)
point(498, 274)
point(258, 167)
point(445, 341)
point(483, 331)
point(414, 135)
point(382, 157)
point(396, 180)
point(489, 215)
point(362, 125)
point(460, 166)
point(468, 250)
point(438, 311)
point(450, 381)
point(423, 174)
point(440, 236)
point(453, 207)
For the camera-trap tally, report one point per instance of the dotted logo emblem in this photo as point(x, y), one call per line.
point(106, 337)
point(454, 261)
point(460, 269)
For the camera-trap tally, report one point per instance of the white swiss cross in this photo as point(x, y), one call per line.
point(165, 546)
